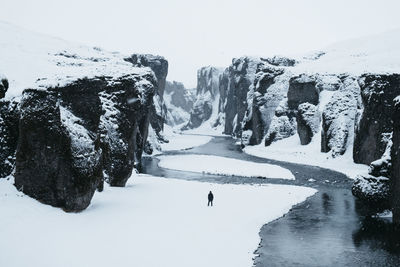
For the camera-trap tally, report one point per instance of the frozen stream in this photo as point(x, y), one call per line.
point(326, 230)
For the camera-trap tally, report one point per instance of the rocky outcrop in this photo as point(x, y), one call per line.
point(263, 98)
point(179, 102)
point(58, 160)
point(308, 121)
point(395, 160)
point(159, 65)
point(339, 118)
point(9, 116)
point(281, 61)
point(70, 136)
point(302, 89)
point(207, 96)
point(373, 189)
point(283, 124)
point(235, 85)
point(377, 92)
point(3, 87)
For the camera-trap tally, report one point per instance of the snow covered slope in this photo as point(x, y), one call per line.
point(378, 53)
point(32, 60)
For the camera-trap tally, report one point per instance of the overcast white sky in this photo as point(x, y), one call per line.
point(191, 34)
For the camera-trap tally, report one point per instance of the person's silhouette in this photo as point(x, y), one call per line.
point(210, 199)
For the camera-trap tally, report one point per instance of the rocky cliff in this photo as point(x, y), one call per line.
point(179, 102)
point(78, 117)
point(205, 107)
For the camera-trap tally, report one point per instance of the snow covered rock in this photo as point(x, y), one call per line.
point(58, 160)
point(373, 192)
point(308, 122)
point(3, 87)
point(263, 98)
point(9, 115)
point(207, 96)
point(281, 61)
point(339, 118)
point(159, 65)
point(377, 92)
point(236, 82)
point(124, 125)
point(395, 159)
point(302, 89)
point(179, 102)
point(374, 189)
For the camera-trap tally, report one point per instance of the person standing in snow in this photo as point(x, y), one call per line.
point(210, 199)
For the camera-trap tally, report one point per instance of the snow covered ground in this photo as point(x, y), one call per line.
point(291, 150)
point(152, 222)
point(223, 166)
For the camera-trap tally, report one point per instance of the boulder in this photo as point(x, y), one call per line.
point(58, 161)
point(377, 93)
point(308, 121)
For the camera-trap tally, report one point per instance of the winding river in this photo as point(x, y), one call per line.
point(328, 229)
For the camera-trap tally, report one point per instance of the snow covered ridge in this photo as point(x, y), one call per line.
point(73, 116)
point(31, 60)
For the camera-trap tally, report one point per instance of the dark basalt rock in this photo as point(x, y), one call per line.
point(373, 192)
point(308, 121)
point(377, 92)
point(58, 161)
point(159, 65)
point(3, 87)
point(124, 127)
point(9, 116)
point(395, 167)
point(302, 89)
point(236, 82)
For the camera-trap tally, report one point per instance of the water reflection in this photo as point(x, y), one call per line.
point(378, 233)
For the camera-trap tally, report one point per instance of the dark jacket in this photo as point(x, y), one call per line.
point(210, 196)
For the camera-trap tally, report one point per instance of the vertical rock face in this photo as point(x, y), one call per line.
point(308, 121)
point(3, 87)
point(339, 118)
point(302, 89)
point(207, 93)
point(236, 84)
point(180, 96)
point(377, 92)
point(69, 136)
point(395, 155)
point(263, 98)
point(124, 126)
point(159, 65)
point(9, 115)
point(179, 102)
point(58, 160)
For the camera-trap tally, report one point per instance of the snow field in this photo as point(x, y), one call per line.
point(223, 166)
point(151, 222)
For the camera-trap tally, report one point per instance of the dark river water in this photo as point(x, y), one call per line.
point(328, 229)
